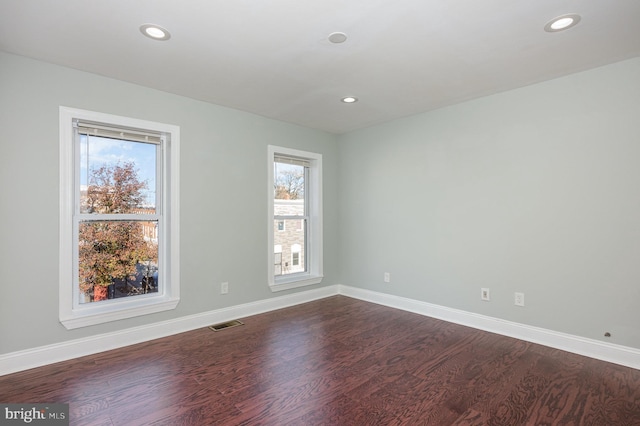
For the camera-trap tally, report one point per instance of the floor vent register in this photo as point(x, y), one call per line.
point(225, 325)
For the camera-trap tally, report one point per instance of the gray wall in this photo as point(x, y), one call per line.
point(535, 190)
point(223, 196)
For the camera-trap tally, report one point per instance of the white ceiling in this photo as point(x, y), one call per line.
point(272, 57)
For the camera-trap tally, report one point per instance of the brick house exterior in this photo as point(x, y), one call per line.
point(288, 237)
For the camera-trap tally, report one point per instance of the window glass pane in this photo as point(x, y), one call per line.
point(117, 176)
point(289, 185)
point(278, 262)
point(117, 259)
point(289, 247)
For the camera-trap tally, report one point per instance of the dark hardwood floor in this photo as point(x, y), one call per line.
point(336, 361)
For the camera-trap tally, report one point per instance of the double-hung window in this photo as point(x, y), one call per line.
point(295, 218)
point(119, 217)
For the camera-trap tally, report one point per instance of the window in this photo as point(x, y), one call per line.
point(119, 217)
point(296, 249)
point(295, 218)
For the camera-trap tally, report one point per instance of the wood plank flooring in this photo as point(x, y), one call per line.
point(336, 361)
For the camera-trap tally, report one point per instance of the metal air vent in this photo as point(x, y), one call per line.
point(225, 325)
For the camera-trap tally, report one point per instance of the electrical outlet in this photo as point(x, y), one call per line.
point(224, 288)
point(387, 277)
point(519, 299)
point(484, 294)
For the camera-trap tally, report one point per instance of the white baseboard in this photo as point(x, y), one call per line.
point(49, 354)
point(617, 354)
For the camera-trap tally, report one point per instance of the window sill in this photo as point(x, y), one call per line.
point(294, 282)
point(99, 315)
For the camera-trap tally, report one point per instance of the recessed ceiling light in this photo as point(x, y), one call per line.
point(349, 99)
point(561, 23)
point(337, 37)
point(155, 32)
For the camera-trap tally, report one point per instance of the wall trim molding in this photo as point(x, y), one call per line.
point(49, 354)
point(30, 358)
point(617, 354)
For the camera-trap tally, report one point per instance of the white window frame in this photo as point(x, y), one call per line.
point(74, 315)
point(313, 257)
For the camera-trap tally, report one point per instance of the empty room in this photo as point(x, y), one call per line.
point(320, 212)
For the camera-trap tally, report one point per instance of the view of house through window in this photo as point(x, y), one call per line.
point(290, 215)
point(294, 238)
point(117, 215)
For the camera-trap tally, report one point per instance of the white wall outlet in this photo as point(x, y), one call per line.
point(519, 299)
point(484, 294)
point(224, 288)
point(387, 277)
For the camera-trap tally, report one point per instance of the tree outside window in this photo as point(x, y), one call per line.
point(290, 213)
point(294, 237)
point(119, 217)
point(116, 258)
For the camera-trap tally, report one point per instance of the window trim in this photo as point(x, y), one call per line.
point(168, 298)
point(313, 258)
